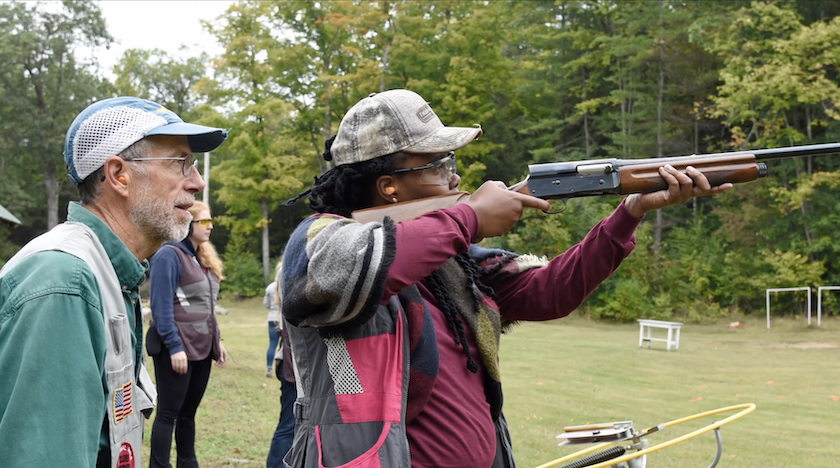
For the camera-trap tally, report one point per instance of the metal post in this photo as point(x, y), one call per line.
point(768, 309)
point(819, 304)
point(809, 307)
point(819, 299)
point(206, 197)
point(804, 288)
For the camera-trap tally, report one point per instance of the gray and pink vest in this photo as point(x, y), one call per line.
point(347, 414)
point(355, 351)
point(352, 412)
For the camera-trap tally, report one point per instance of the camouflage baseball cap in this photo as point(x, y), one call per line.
point(391, 121)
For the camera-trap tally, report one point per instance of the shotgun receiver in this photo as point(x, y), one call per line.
point(565, 180)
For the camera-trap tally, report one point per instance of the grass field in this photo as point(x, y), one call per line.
point(572, 371)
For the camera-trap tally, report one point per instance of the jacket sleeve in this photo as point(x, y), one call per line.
point(164, 275)
point(557, 289)
point(425, 243)
point(268, 298)
point(340, 269)
point(52, 356)
point(334, 271)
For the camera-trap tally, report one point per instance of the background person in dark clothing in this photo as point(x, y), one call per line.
point(183, 336)
point(285, 431)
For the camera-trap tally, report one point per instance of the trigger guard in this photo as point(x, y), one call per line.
point(564, 200)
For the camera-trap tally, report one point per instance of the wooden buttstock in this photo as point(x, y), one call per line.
point(405, 211)
point(645, 178)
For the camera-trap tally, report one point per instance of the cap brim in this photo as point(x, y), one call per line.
point(445, 139)
point(200, 138)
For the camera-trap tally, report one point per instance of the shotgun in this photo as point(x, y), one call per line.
point(565, 180)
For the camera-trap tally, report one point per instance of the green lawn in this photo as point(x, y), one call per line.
point(572, 371)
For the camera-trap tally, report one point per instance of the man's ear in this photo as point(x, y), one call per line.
point(117, 176)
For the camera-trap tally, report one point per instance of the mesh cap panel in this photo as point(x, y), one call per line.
point(107, 133)
point(109, 126)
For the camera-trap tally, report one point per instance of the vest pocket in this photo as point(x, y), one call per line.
point(199, 326)
point(119, 333)
point(121, 403)
point(336, 442)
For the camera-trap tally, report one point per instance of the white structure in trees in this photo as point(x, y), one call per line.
point(804, 288)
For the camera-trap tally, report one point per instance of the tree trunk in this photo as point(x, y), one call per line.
point(327, 110)
point(657, 230)
point(585, 114)
point(809, 161)
point(696, 150)
point(51, 185)
point(384, 66)
point(624, 132)
point(265, 255)
point(390, 29)
point(803, 208)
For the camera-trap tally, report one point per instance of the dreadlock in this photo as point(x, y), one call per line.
point(435, 284)
point(346, 188)
point(471, 269)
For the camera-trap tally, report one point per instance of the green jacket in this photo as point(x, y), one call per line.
point(52, 353)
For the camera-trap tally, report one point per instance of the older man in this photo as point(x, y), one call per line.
point(72, 389)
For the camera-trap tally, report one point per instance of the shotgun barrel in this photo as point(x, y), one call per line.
point(565, 180)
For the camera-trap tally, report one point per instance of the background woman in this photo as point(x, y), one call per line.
point(183, 335)
point(272, 303)
point(285, 431)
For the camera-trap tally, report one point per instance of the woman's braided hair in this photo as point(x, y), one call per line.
point(347, 188)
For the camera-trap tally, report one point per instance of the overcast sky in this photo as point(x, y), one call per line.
point(158, 24)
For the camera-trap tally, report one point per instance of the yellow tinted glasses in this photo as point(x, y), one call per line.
point(204, 222)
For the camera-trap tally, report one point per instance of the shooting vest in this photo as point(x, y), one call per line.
point(193, 310)
point(127, 397)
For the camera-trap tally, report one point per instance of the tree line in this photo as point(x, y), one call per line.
point(548, 80)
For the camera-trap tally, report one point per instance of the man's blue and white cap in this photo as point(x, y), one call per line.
point(107, 127)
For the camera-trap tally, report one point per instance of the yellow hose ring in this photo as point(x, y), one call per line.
point(745, 408)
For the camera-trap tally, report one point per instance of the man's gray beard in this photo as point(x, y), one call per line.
point(155, 219)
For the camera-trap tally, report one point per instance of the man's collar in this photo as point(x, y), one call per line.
point(130, 272)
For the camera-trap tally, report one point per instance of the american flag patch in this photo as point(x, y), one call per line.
point(122, 403)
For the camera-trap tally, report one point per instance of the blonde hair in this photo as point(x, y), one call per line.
point(277, 270)
point(205, 251)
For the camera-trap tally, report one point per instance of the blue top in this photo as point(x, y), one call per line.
point(164, 277)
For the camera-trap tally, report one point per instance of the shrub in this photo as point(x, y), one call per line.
point(243, 273)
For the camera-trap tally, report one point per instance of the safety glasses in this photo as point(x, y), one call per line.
point(205, 223)
point(187, 163)
point(439, 172)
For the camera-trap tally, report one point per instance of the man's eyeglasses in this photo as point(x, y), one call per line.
point(205, 223)
point(187, 163)
point(439, 172)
